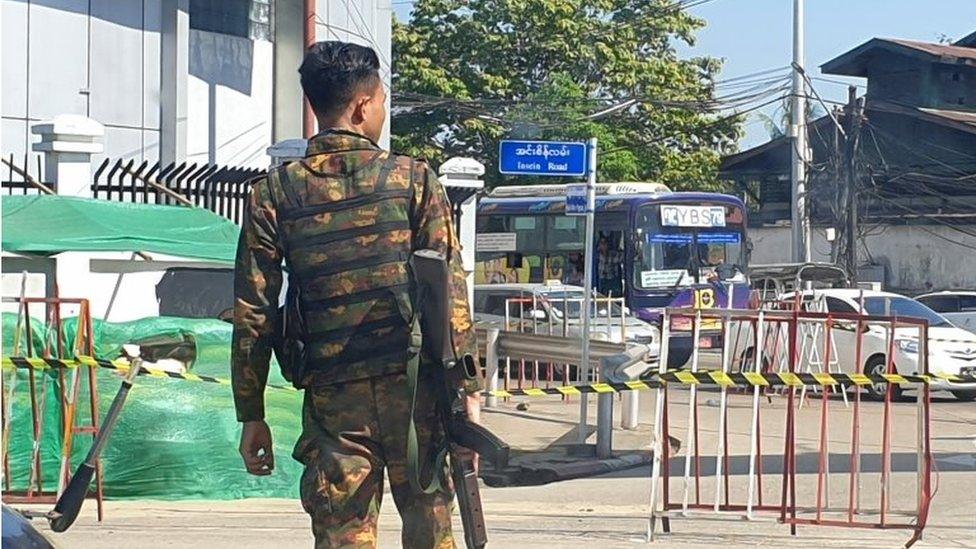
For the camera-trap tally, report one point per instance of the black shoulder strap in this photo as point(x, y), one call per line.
point(280, 175)
point(288, 188)
point(385, 171)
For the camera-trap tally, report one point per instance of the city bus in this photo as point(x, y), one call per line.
point(654, 247)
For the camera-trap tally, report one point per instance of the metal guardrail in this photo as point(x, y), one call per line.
point(612, 361)
point(558, 349)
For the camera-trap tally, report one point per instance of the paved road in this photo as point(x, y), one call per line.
point(610, 511)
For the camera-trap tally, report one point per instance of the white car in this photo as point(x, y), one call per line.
point(958, 306)
point(556, 307)
point(951, 350)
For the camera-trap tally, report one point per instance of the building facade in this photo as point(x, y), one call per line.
point(202, 81)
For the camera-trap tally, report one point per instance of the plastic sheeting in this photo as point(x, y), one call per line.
point(175, 439)
point(43, 224)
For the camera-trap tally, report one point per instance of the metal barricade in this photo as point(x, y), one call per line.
point(793, 488)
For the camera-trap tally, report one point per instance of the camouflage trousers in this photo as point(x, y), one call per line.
point(353, 431)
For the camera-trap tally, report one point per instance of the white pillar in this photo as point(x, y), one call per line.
point(461, 172)
point(287, 150)
point(491, 365)
point(175, 70)
point(630, 407)
point(68, 143)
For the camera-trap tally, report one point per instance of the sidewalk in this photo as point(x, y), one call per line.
point(606, 511)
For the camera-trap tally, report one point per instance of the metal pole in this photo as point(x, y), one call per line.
point(798, 132)
point(491, 362)
point(604, 422)
point(309, 32)
point(584, 366)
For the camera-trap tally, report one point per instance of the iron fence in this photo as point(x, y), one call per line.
point(220, 189)
point(18, 177)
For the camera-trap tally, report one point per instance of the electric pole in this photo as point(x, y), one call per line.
point(853, 131)
point(800, 219)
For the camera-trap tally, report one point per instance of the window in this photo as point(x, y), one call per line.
point(836, 305)
point(941, 303)
point(902, 306)
point(491, 304)
point(967, 303)
point(252, 19)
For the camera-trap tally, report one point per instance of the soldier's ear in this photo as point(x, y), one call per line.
point(360, 104)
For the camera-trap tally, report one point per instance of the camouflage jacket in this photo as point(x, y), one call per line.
point(340, 168)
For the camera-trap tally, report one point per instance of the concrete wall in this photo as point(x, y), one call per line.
point(98, 58)
point(118, 287)
point(229, 100)
point(105, 59)
point(914, 258)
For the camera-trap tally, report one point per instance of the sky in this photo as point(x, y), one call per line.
point(755, 35)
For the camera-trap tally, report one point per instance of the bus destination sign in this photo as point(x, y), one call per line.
point(551, 158)
point(692, 216)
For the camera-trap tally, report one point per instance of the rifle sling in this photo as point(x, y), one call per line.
point(413, 447)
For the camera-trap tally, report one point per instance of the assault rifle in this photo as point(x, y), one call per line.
point(433, 301)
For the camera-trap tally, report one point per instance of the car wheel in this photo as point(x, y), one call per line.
point(876, 366)
point(965, 396)
point(747, 362)
point(678, 355)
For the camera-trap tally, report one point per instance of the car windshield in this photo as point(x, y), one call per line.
point(903, 306)
point(573, 303)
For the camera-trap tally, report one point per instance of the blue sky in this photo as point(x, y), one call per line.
point(754, 35)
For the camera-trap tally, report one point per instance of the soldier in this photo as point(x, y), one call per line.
point(345, 220)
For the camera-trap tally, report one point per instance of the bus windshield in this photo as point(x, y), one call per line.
point(665, 251)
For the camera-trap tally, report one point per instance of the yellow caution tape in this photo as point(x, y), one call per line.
point(121, 365)
point(736, 379)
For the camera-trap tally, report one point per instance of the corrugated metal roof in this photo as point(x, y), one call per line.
point(856, 61)
point(965, 117)
point(968, 40)
point(941, 50)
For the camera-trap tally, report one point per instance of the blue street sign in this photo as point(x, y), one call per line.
point(542, 158)
point(576, 200)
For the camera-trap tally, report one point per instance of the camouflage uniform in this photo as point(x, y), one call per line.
point(345, 229)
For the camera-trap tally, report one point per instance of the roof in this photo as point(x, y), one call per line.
point(856, 61)
point(51, 224)
point(960, 120)
point(751, 160)
point(854, 293)
point(968, 40)
point(948, 293)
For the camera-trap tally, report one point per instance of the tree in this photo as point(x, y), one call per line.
point(777, 123)
point(467, 73)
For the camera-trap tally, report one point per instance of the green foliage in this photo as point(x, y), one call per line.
point(539, 68)
point(777, 123)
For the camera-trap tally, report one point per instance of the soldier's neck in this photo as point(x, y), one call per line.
point(341, 123)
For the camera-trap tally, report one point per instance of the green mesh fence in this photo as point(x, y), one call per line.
point(175, 439)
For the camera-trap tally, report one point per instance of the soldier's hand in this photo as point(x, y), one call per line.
point(256, 448)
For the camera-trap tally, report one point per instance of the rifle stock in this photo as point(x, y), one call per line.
point(432, 302)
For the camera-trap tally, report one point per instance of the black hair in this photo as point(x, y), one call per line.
point(333, 72)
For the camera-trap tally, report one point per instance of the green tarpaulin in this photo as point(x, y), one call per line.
point(175, 439)
point(53, 224)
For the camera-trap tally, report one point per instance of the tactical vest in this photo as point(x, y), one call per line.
point(346, 239)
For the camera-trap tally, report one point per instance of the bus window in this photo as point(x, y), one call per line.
point(610, 263)
point(665, 253)
point(565, 232)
